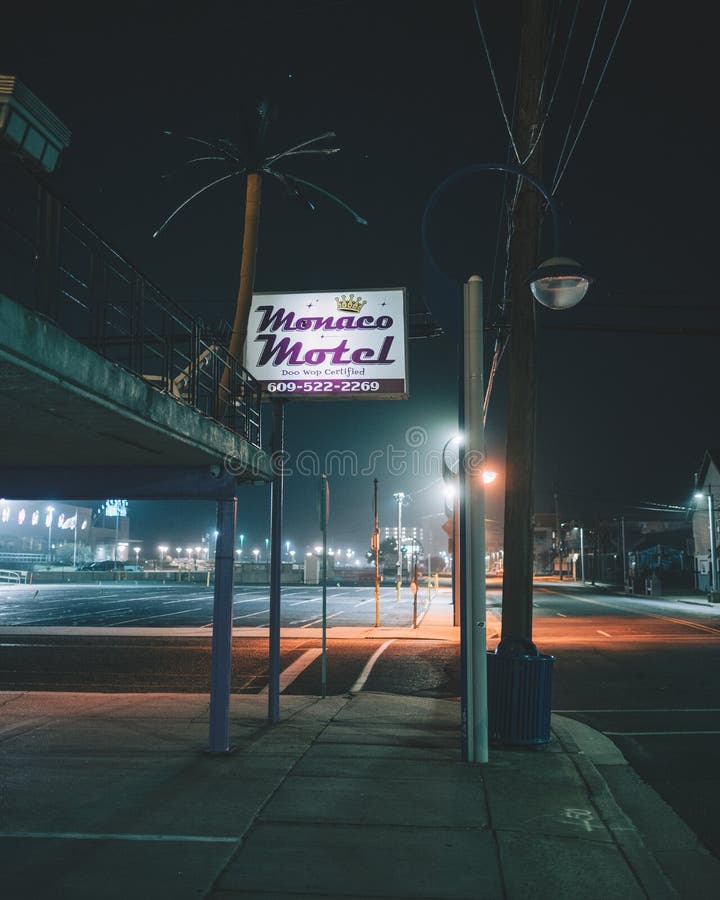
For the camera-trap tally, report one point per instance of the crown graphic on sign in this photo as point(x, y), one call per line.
point(349, 303)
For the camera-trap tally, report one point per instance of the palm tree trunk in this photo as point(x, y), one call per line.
point(247, 282)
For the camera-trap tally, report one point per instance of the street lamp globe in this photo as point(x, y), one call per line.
point(559, 283)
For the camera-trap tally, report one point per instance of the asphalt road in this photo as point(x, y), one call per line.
point(174, 605)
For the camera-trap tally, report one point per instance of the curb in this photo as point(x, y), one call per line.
point(585, 746)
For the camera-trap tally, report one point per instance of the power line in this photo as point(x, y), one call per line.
point(579, 95)
point(595, 93)
point(494, 79)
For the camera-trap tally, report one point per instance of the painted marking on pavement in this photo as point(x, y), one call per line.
point(22, 726)
point(287, 676)
point(178, 612)
point(637, 612)
point(697, 710)
point(564, 616)
point(600, 631)
point(654, 733)
point(318, 621)
point(363, 677)
point(259, 612)
point(80, 836)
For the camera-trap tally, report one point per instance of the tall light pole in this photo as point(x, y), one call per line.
point(450, 477)
point(558, 283)
point(376, 548)
point(472, 535)
point(399, 497)
point(50, 510)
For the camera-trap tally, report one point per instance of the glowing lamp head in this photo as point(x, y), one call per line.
point(559, 283)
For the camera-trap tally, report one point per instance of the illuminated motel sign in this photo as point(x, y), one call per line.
point(336, 344)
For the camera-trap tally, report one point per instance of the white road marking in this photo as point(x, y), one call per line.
point(561, 614)
point(600, 631)
point(162, 838)
point(22, 726)
point(698, 710)
point(637, 612)
point(287, 676)
point(653, 733)
point(259, 612)
point(178, 612)
point(360, 683)
point(317, 621)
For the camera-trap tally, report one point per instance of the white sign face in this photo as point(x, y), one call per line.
point(341, 345)
point(115, 508)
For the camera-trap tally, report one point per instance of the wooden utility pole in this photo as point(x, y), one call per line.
point(520, 463)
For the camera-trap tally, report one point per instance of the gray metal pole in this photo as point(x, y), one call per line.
point(624, 554)
point(582, 555)
point(222, 628)
point(711, 525)
point(376, 545)
point(325, 505)
point(456, 557)
point(473, 551)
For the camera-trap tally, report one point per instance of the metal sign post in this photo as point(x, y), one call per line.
point(324, 516)
point(376, 548)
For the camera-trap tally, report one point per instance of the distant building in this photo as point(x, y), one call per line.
point(706, 509)
point(37, 532)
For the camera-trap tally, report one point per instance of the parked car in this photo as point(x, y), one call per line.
point(105, 565)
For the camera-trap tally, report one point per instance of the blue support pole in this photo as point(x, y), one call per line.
point(276, 507)
point(219, 741)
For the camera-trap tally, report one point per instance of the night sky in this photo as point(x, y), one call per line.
point(627, 401)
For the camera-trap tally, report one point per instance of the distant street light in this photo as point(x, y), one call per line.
point(399, 497)
point(256, 553)
point(700, 495)
point(50, 510)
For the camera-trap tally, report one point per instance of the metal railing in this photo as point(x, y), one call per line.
point(10, 576)
point(54, 263)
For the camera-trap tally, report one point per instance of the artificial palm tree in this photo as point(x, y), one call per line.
point(254, 164)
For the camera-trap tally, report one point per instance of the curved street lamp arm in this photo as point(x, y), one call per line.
point(490, 167)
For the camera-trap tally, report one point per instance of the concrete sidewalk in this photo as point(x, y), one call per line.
point(355, 796)
point(112, 796)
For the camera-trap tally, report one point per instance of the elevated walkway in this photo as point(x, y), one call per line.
point(65, 408)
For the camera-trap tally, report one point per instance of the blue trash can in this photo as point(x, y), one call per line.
point(519, 698)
